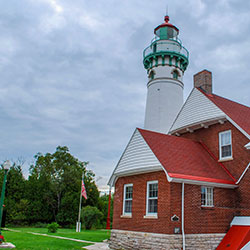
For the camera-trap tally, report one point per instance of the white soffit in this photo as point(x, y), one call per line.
point(196, 109)
point(241, 221)
point(137, 158)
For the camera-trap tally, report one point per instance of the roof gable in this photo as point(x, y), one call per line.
point(197, 108)
point(136, 158)
point(186, 159)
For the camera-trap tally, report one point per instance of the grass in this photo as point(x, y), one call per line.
point(26, 241)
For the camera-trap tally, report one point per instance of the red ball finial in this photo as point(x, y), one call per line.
point(166, 19)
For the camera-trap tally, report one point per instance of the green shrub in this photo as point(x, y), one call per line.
point(91, 216)
point(52, 228)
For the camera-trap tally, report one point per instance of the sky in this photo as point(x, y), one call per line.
point(71, 72)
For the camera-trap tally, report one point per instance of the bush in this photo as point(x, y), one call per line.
point(52, 228)
point(91, 216)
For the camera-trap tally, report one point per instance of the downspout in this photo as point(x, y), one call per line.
point(182, 217)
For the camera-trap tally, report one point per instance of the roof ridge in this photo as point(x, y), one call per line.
point(227, 99)
point(216, 159)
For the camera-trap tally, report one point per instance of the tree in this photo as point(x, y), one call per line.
point(91, 216)
point(15, 202)
point(59, 176)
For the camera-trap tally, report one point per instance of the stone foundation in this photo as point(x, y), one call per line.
point(129, 240)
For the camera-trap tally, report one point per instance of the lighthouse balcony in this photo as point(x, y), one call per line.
point(168, 51)
point(161, 46)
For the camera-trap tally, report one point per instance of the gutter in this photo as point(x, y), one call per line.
point(243, 174)
point(182, 218)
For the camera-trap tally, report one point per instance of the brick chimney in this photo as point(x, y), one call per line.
point(203, 80)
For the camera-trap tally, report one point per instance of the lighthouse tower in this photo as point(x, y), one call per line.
point(165, 61)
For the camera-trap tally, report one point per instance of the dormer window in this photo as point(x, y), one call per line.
point(225, 143)
point(175, 74)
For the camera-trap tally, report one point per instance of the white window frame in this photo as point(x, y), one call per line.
point(129, 199)
point(147, 212)
point(209, 201)
point(220, 145)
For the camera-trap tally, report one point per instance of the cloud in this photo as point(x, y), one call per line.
point(72, 72)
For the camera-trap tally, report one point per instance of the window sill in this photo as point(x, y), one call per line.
point(226, 159)
point(126, 216)
point(207, 207)
point(150, 216)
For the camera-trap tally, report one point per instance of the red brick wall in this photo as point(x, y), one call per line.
point(243, 195)
point(241, 158)
point(210, 137)
point(216, 219)
point(137, 222)
point(197, 219)
point(227, 202)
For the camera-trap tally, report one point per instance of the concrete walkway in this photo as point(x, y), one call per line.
point(98, 246)
point(63, 238)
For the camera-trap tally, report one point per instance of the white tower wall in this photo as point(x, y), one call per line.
point(164, 99)
point(165, 60)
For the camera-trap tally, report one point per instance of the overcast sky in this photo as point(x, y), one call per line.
point(71, 72)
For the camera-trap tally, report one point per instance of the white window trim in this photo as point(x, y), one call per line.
point(151, 215)
point(206, 196)
point(227, 157)
point(124, 195)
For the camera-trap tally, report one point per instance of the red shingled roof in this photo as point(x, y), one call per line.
point(236, 238)
point(185, 159)
point(239, 113)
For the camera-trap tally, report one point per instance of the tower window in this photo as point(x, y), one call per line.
point(154, 48)
point(175, 74)
point(152, 75)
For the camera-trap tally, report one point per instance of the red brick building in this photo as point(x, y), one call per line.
point(183, 189)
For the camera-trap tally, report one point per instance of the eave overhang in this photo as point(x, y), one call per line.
point(179, 178)
point(115, 177)
point(202, 181)
point(198, 125)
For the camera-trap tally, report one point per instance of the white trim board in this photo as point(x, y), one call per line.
point(241, 221)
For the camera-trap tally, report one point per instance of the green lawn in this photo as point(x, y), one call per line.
point(24, 240)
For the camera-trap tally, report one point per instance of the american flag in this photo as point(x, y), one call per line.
point(84, 194)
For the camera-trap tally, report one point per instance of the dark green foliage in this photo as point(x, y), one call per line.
point(15, 199)
point(51, 192)
point(60, 175)
point(91, 216)
point(52, 227)
point(103, 207)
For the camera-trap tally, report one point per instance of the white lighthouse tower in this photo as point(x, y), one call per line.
point(165, 61)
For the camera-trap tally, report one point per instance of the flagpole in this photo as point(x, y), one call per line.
point(78, 224)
